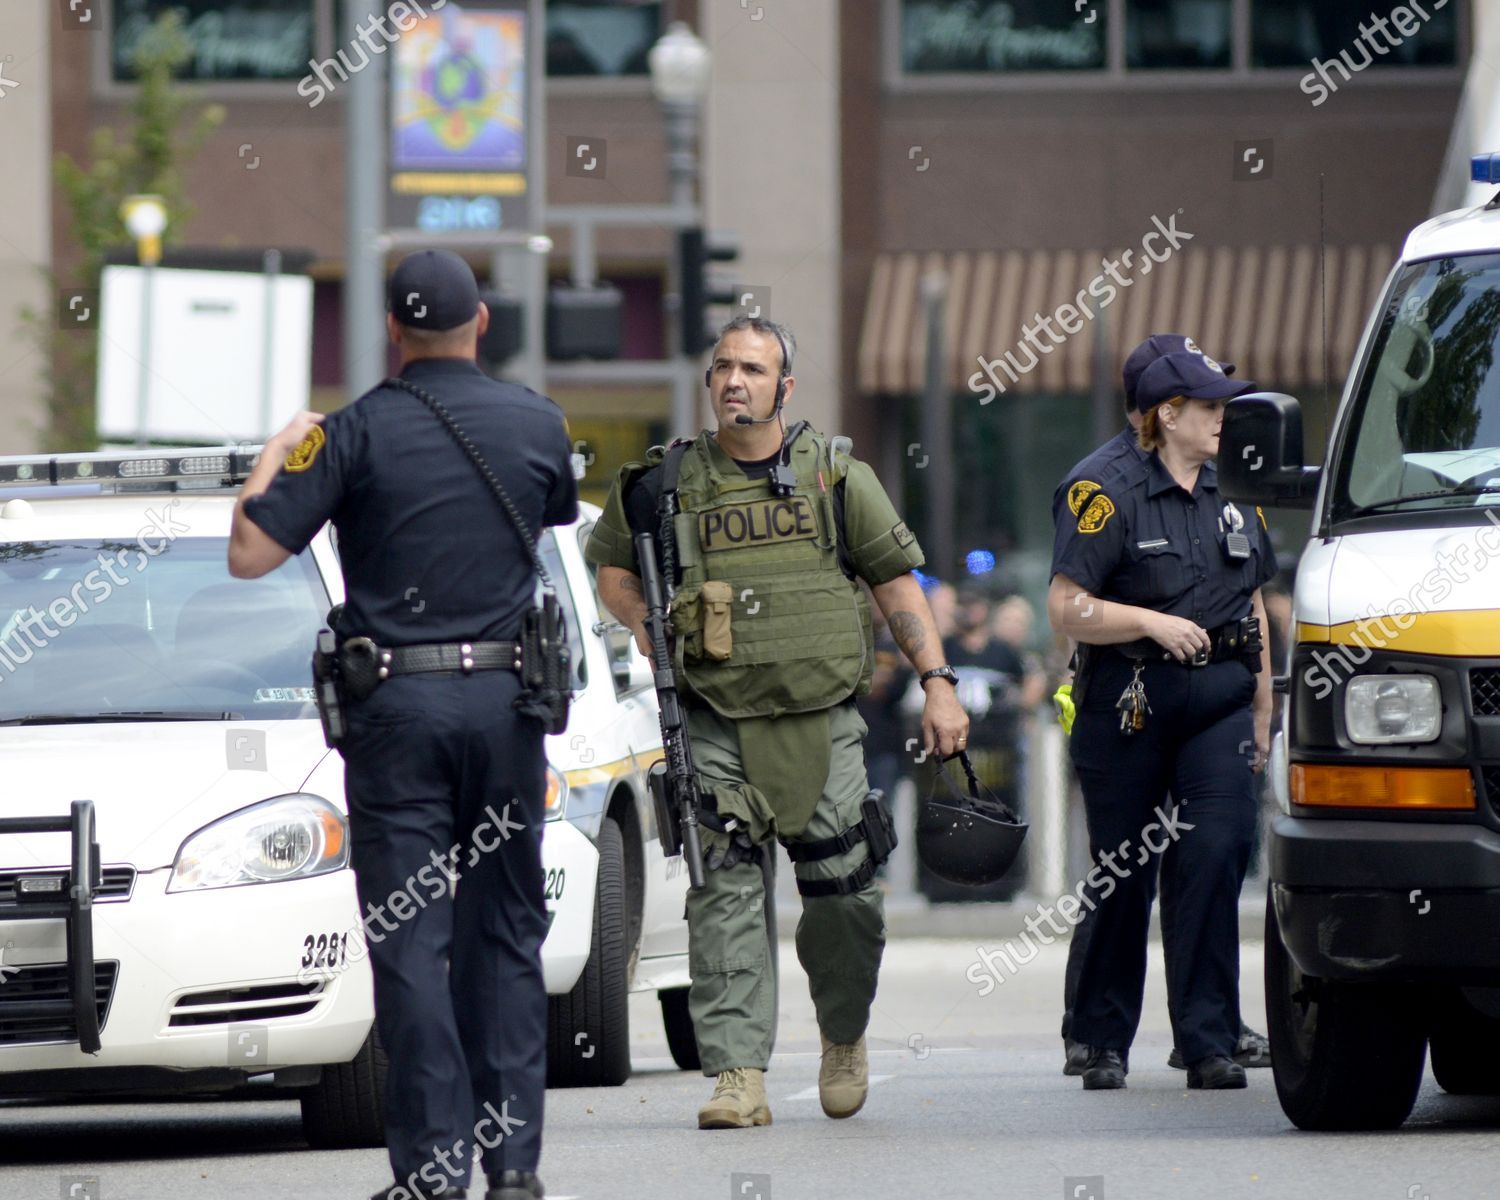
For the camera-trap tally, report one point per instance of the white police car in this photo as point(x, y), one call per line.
point(176, 908)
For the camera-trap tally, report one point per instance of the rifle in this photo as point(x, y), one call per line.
point(675, 789)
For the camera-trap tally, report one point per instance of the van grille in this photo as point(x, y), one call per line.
point(1491, 774)
point(245, 1005)
point(1484, 689)
point(34, 1003)
point(118, 883)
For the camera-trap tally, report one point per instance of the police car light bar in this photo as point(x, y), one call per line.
point(1485, 168)
point(205, 468)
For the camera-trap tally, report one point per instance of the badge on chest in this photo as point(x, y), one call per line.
point(757, 523)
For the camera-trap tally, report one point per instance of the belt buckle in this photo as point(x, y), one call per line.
point(1200, 658)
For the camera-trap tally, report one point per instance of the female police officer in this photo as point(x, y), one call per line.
point(1160, 580)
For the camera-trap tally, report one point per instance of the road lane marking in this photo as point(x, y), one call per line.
point(812, 1092)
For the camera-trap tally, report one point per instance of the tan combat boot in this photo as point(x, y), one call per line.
point(843, 1078)
point(738, 1102)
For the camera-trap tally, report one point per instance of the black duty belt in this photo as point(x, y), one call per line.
point(449, 656)
point(1238, 639)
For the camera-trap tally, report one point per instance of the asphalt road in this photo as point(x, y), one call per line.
point(968, 1102)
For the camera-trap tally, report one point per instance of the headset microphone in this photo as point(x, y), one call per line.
point(744, 419)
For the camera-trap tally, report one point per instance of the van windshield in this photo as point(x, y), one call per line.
point(104, 631)
point(1425, 427)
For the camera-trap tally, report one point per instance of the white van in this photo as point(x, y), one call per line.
point(1383, 915)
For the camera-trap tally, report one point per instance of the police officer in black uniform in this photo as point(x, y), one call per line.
point(436, 757)
point(1160, 581)
point(1076, 488)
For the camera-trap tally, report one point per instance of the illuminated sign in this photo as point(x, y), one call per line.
point(458, 147)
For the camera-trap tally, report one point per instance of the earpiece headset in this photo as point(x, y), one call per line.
point(781, 378)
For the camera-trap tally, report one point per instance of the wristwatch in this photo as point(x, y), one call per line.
point(943, 672)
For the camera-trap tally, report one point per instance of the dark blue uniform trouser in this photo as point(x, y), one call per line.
point(1084, 930)
point(431, 763)
point(1197, 746)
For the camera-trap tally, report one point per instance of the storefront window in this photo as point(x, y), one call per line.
point(1295, 33)
point(1002, 35)
point(1179, 34)
point(232, 39)
point(601, 37)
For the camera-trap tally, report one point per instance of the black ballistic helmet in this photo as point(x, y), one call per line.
point(970, 839)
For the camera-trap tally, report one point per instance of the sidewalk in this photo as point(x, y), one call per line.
point(911, 916)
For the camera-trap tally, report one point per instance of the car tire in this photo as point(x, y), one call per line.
point(1465, 1048)
point(588, 1030)
point(681, 1039)
point(1345, 1056)
point(345, 1110)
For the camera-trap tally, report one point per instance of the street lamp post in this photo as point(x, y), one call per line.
point(145, 219)
point(679, 78)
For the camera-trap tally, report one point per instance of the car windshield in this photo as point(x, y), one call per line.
point(101, 630)
point(1425, 427)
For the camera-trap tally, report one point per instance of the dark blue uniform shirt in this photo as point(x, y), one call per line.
point(428, 554)
point(1143, 540)
point(1086, 477)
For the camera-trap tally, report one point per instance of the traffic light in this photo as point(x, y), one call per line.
point(698, 289)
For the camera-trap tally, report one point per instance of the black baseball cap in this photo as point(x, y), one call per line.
point(1185, 374)
point(1153, 348)
point(433, 289)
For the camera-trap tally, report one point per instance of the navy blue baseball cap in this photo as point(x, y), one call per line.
point(433, 289)
point(1185, 374)
point(1153, 348)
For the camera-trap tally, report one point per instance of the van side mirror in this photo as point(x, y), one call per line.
point(1260, 452)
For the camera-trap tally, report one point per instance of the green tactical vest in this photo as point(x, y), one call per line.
point(799, 636)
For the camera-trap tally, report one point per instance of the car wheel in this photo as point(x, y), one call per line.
point(681, 1039)
point(1465, 1048)
point(1344, 1055)
point(588, 1030)
point(345, 1110)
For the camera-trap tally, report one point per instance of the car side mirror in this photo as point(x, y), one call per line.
point(1260, 452)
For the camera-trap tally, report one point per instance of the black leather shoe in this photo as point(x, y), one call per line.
point(1174, 1060)
point(1106, 1070)
point(399, 1191)
point(1216, 1073)
point(1077, 1056)
point(515, 1185)
point(1253, 1049)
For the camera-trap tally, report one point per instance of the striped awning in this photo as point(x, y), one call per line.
point(1260, 307)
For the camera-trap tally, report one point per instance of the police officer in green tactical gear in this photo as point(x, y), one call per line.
point(765, 532)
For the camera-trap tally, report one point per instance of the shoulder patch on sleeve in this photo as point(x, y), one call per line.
point(1079, 492)
point(305, 451)
point(1099, 511)
point(903, 535)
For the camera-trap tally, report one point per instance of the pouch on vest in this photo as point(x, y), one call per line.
point(718, 643)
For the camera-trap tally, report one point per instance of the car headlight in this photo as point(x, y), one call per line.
point(289, 837)
point(1380, 710)
point(557, 794)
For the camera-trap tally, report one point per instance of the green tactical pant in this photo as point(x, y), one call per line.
point(839, 938)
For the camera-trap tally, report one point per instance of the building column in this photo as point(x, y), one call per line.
point(771, 174)
point(26, 239)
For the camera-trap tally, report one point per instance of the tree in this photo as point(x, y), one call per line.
point(146, 158)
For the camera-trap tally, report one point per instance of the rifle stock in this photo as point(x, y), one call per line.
point(675, 788)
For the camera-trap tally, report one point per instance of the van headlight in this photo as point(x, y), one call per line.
point(1380, 710)
point(289, 837)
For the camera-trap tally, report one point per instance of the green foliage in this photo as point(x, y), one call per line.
point(146, 157)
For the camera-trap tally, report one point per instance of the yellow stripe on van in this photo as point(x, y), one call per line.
point(1467, 633)
point(605, 772)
